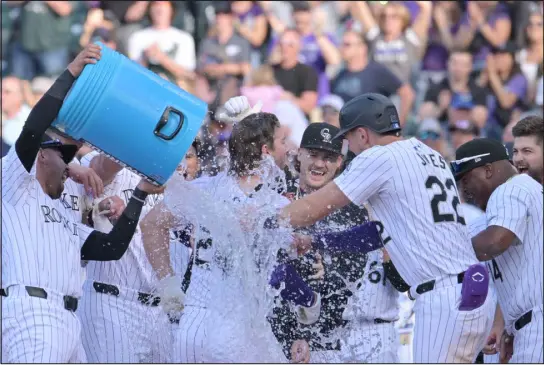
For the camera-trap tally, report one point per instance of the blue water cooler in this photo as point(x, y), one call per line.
point(133, 115)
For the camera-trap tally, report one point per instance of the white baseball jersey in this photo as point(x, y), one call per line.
point(517, 206)
point(42, 241)
point(376, 298)
point(133, 270)
point(411, 189)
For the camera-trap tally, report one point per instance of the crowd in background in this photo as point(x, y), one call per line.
point(456, 70)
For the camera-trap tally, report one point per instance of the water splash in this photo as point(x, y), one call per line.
point(243, 257)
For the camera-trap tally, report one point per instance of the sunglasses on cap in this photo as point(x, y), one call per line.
point(429, 135)
point(458, 164)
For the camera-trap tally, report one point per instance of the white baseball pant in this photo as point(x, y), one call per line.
point(369, 342)
point(36, 330)
point(120, 329)
point(190, 336)
point(443, 333)
point(528, 341)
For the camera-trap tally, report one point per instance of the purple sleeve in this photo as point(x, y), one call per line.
point(332, 38)
point(272, 44)
point(256, 10)
point(518, 86)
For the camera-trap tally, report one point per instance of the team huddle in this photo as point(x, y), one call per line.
point(365, 257)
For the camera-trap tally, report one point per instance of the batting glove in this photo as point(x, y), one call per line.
point(172, 297)
point(237, 108)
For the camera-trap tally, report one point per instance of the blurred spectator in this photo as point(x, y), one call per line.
point(530, 58)
point(161, 47)
point(279, 15)
point(458, 97)
point(33, 91)
point(485, 24)
point(41, 45)
point(224, 53)
point(129, 14)
point(461, 132)
point(506, 85)
point(318, 49)
point(251, 24)
point(330, 107)
point(446, 17)
point(297, 79)
point(262, 86)
point(14, 110)
point(361, 76)
point(430, 132)
point(392, 41)
point(97, 27)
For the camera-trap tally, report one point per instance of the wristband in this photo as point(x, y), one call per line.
point(139, 195)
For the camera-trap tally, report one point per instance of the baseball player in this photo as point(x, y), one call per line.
point(318, 161)
point(528, 147)
point(512, 241)
point(411, 190)
point(238, 189)
point(122, 310)
point(42, 244)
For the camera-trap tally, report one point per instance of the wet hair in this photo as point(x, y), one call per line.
point(530, 126)
point(247, 139)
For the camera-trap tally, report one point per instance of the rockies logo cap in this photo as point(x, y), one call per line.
point(319, 136)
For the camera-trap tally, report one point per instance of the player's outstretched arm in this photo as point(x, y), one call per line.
point(47, 108)
point(156, 236)
point(315, 206)
point(112, 246)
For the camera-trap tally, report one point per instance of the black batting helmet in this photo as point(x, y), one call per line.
point(370, 110)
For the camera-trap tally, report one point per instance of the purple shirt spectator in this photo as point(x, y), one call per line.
point(310, 54)
point(482, 49)
point(249, 16)
point(499, 117)
point(436, 55)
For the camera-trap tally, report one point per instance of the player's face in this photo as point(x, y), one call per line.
point(192, 164)
point(56, 173)
point(356, 140)
point(475, 187)
point(317, 167)
point(527, 157)
point(279, 153)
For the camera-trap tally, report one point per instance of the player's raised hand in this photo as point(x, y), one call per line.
point(300, 352)
point(89, 55)
point(302, 243)
point(237, 108)
point(88, 178)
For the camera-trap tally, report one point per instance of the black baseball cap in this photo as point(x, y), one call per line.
point(477, 153)
point(319, 136)
point(67, 151)
point(371, 110)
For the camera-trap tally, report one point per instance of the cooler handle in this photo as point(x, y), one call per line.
point(164, 120)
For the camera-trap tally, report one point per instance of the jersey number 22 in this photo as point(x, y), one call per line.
point(442, 197)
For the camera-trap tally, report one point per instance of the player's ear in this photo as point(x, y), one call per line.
point(488, 171)
point(265, 150)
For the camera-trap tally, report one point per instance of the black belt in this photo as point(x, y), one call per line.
point(523, 321)
point(380, 321)
point(70, 303)
point(429, 285)
point(144, 298)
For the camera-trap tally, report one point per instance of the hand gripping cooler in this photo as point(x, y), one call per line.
point(133, 115)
